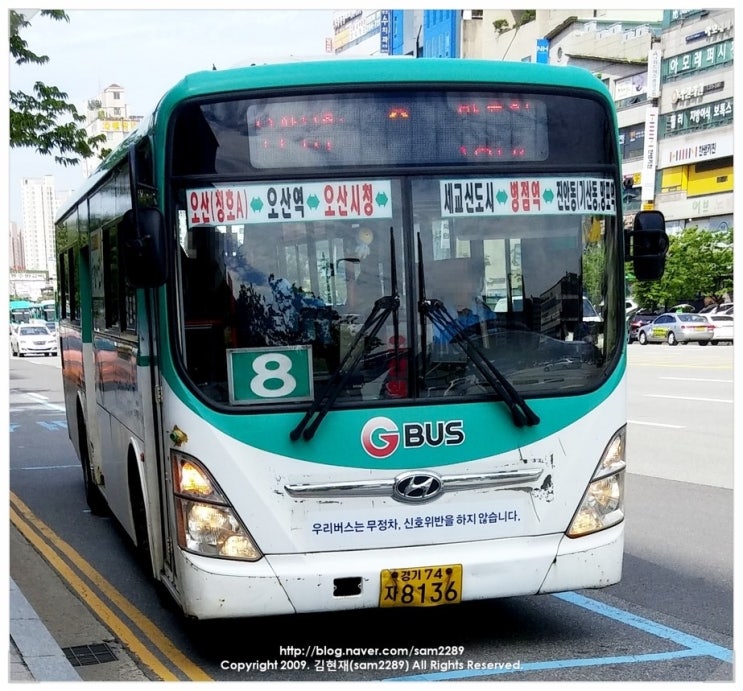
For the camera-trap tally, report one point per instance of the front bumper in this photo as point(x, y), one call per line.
point(302, 583)
point(27, 349)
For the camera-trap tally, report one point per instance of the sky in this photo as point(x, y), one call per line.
point(146, 51)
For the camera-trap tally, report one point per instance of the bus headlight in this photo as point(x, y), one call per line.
point(207, 524)
point(603, 503)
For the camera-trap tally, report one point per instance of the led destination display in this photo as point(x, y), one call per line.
point(390, 128)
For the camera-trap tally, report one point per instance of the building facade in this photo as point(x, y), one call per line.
point(670, 73)
point(414, 33)
point(361, 32)
point(16, 255)
point(694, 180)
point(39, 205)
point(108, 114)
point(441, 33)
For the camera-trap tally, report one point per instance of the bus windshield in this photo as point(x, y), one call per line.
point(279, 277)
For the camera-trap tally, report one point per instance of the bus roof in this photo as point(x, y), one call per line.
point(21, 304)
point(375, 70)
point(352, 72)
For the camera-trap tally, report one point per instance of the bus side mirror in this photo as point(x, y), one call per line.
point(647, 245)
point(143, 245)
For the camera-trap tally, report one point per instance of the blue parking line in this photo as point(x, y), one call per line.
point(679, 637)
point(550, 664)
point(691, 647)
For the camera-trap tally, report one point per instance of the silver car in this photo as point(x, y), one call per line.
point(677, 327)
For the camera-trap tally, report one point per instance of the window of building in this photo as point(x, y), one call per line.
point(632, 141)
point(710, 177)
point(707, 166)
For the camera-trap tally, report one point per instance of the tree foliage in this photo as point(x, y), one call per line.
point(594, 262)
point(699, 264)
point(45, 120)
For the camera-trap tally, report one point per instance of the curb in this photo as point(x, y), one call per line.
point(40, 653)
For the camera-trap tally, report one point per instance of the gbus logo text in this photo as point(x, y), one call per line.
point(380, 436)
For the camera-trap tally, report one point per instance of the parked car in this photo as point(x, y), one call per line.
point(724, 308)
point(31, 339)
point(630, 306)
point(715, 308)
point(589, 312)
point(640, 318)
point(677, 327)
point(723, 324)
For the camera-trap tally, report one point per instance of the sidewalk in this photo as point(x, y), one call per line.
point(34, 654)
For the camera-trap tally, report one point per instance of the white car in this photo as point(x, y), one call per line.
point(589, 312)
point(32, 339)
point(723, 324)
point(722, 308)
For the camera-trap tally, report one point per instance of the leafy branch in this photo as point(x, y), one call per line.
point(45, 120)
point(699, 263)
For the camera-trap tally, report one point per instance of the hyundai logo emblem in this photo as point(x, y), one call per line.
point(417, 487)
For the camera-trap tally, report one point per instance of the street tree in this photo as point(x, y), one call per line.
point(699, 264)
point(45, 120)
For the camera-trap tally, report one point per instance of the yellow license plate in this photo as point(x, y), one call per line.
point(424, 586)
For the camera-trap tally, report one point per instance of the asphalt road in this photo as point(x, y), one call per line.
point(671, 617)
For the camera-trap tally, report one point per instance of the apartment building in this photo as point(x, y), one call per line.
point(39, 204)
point(694, 181)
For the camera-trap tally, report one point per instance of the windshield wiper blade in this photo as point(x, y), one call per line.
point(436, 312)
point(383, 307)
point(521, 413)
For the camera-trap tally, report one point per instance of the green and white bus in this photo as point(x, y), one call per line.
point(22, 311)
point(285, 374)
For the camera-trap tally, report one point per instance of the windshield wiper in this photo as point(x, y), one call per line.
point(437, 313)
point(383, 307)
